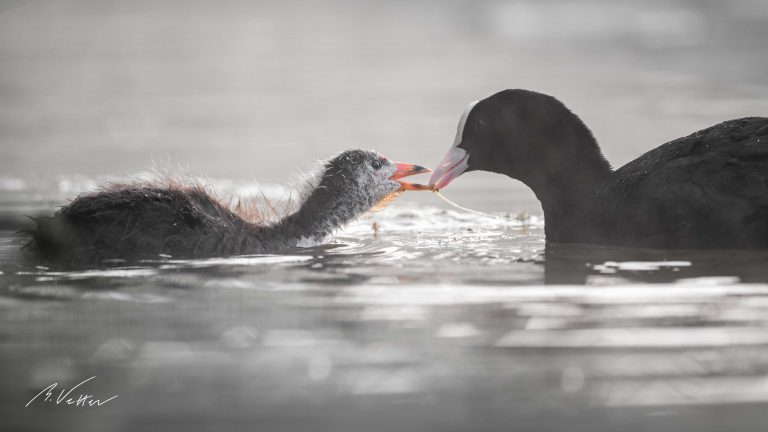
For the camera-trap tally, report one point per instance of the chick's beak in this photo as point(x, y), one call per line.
point(405, 170)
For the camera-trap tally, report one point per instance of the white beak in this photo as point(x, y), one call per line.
point(453, 165)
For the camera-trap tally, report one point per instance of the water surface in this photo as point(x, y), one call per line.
point(415, 317)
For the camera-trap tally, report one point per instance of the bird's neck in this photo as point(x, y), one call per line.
point(566, 187)
point(319, 216)
point(566, 182)
point(567, 202)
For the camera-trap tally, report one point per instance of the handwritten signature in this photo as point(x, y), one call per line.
point(84, 400)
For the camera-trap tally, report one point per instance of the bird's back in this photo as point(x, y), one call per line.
point(138, 222)
point(706, 190)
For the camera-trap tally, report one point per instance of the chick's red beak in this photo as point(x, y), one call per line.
point(405, 170)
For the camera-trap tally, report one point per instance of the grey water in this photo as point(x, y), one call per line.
point(418, 316)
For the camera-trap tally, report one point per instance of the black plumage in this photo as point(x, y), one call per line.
point(138, 222)
point(706, 190)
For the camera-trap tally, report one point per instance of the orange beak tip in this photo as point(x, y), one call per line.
point(404, 186)
point(405, 170)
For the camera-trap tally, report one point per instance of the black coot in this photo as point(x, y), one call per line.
point(132, 222)
point(706, 190)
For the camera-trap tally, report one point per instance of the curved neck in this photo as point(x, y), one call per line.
point(565, 181)
point(319, 216)
point(567, 186)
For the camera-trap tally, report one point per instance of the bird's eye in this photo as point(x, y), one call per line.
point(376, 164)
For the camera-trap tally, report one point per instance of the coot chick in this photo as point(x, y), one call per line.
point(706, 190)
point(133, 222)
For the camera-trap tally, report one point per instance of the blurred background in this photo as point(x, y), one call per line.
point(262, 89)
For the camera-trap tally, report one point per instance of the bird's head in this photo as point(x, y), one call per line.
point(520, 133)
point(366, 177)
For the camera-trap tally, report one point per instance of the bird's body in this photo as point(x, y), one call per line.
point(139, 222)
point(706, 190)
point(134, 222)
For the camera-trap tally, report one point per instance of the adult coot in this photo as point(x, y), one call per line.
point(131, 222)
point(706, 190)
